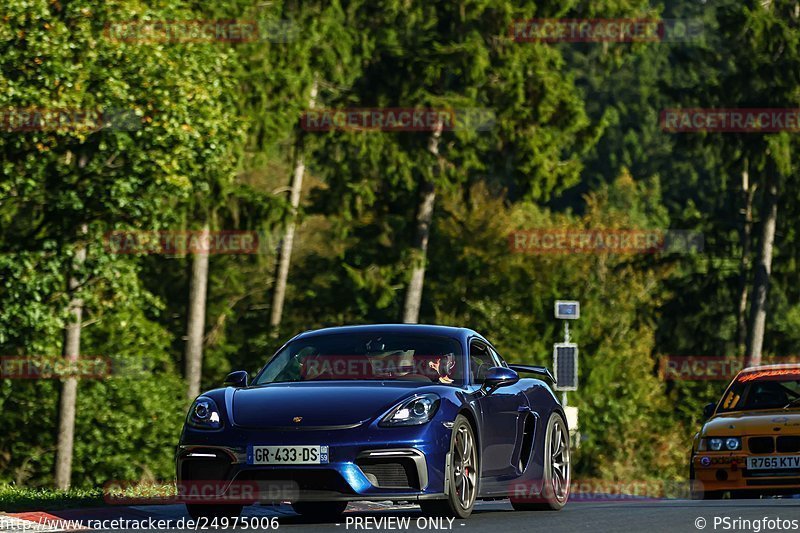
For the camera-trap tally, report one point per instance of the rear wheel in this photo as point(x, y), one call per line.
point(556, 472)
point(461, 475)
point(210, 511)
point(320, 509)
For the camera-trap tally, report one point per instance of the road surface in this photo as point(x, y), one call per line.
point(491, 517)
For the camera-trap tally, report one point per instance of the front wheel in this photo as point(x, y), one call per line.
point(555, 474)
point(461, 475)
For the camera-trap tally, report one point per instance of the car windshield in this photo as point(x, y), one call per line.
point(423, 358)
point(767, 389)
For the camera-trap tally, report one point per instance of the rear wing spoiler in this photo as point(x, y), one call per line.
point(541, 370)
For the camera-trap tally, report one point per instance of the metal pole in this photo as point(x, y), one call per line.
point(566, 339)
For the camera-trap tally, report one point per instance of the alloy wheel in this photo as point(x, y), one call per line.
point(465, 472)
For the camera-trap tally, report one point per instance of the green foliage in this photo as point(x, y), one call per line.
point(576, 144)
point(16, 499)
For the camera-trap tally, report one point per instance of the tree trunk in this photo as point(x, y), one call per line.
point(420, 251)
point(198, 287)
point(285, 255)
point(69, 387)
point(748, 192)
point(758, 306)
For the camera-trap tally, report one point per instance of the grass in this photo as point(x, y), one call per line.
point(19, 499)
point(15, 499)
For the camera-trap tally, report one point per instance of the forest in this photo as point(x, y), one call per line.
point(276, 132)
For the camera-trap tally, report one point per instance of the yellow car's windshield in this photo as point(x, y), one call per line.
point(763, 390)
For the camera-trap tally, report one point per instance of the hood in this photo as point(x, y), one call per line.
point(769, 422)
point(321, 405)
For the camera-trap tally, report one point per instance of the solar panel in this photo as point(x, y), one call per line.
point(565, 366)
point(567, 309)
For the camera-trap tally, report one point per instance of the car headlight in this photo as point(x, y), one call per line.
point(733, 443)
point(417, 410)
point(204, 414)
point(715, 444)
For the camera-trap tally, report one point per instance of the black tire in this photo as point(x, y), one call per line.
point(701, 494)
point(745, 495)
point(556, 472)
point(210, 511)
point(697, 491)
point(320, 509)
point(462, 474)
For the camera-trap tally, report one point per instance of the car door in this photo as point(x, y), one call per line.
point(500, 413)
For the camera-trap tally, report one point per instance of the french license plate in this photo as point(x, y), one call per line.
point(287, 455)
point(773, 462)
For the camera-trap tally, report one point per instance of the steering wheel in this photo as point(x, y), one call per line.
point(480, 373)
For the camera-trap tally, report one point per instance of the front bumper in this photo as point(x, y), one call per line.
point(728, 472)
point(406, 465)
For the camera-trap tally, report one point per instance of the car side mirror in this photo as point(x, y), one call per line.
point(236, 379)
point(498, 376)
point(708, 410)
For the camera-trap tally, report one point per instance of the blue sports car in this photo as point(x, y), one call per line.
point(415, 413)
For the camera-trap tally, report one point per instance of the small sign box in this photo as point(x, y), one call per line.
point(568, 309)
point(565, 366)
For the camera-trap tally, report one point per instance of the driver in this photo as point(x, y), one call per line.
point(443, 366)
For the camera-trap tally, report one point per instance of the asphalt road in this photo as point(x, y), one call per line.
point(499, 517)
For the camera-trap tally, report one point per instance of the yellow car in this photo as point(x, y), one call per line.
point(750, 443)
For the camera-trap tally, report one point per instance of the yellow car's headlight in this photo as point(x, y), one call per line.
point(733, 443)
point(718, 444)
